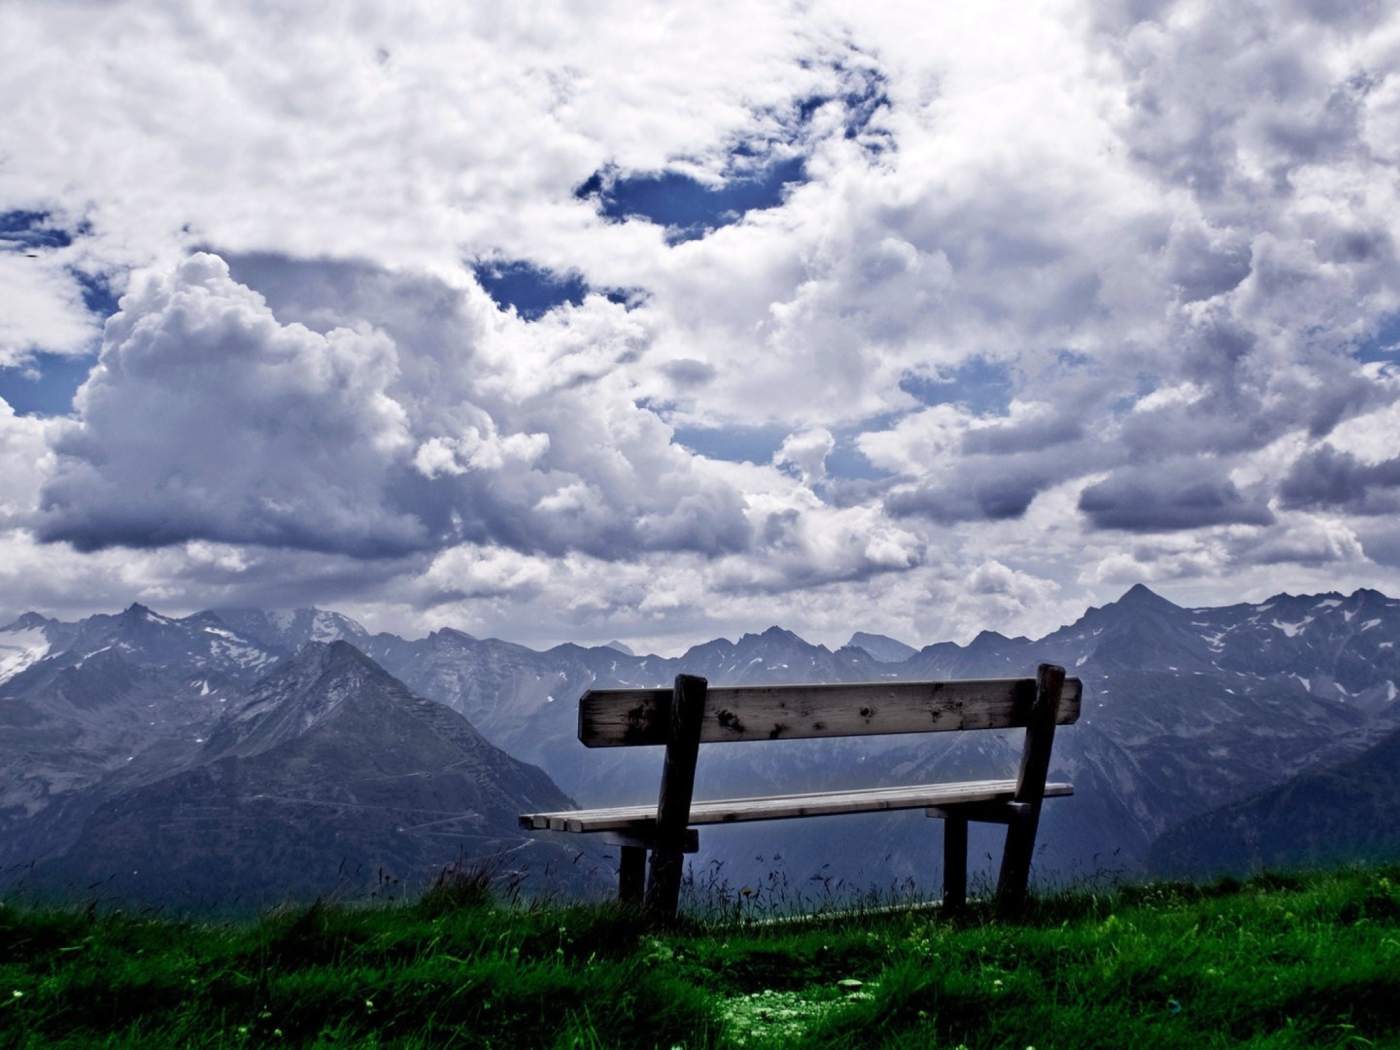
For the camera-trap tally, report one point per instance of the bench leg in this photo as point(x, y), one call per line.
point(673, 807)
point(1016, 861)
point(664, 884)
point(632, 875)
point(954, 863)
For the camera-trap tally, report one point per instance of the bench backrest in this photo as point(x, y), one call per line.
point(632, 717)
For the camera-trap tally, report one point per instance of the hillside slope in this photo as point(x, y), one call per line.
point(328, 774)
point(1342, 813)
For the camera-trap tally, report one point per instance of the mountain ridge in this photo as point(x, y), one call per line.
point(327, 775)
point(1186, 710)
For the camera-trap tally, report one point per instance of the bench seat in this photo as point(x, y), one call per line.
point(638, 819)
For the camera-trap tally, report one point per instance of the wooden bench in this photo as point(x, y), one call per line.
point(690, 714)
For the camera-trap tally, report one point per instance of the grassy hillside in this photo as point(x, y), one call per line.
point(1306, 961)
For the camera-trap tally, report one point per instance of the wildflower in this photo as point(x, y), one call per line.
point(18, 994)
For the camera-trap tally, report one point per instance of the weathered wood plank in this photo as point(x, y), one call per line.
point(628, 717)
point(980, 812)
point(780, 807)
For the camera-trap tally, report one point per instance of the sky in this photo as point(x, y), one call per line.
point(657, 322)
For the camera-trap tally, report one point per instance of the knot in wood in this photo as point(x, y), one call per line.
point(729, 720)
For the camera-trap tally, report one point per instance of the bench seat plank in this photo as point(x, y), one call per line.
point(780, 807)
point(629, 717)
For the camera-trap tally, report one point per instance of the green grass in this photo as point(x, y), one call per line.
point(1278, 962)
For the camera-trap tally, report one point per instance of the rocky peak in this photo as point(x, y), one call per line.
point(881, 647)
point(1140, 596)
point(30, 621)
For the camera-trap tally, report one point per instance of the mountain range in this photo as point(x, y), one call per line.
point(242, 755)
point(154, 759)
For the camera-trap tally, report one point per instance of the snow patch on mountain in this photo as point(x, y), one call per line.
point(241, 654)
point(327, 627)
point(1292, 629)
point(21, 649)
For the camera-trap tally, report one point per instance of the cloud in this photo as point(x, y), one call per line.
point(41, 308)
point(838, 306)
point(805, 454)
point(1181, 494)
point(1330, 479)
point(993, 499)
point(23, 456)
point(209, 419)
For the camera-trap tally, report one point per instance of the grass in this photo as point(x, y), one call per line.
point(1311, 960)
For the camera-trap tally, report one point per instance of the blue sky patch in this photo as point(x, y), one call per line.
point(46, 386)
point(760, 444)
point(847, 461)
point(532, 291)
point(983, 386)
point(97, 294)
point(1384, 344)
point(30, 231)
point(733, 444)
point(862, 100)
point(759, 171)
point(687, 207)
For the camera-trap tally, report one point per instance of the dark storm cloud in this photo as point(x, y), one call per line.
point(1202, 269)
point(997, 469)
point(982, 498)
point(1169, 497)
point(1328, 479)
point(1381, 542)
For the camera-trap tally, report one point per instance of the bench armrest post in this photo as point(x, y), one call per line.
point(677, 787)
point(1030, 791)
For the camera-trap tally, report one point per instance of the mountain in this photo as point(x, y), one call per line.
point(1343, 813)
point(93, 707)
point(287, 630)
point(1176, 721)
point(25, 642)
point(1187, 710)
point(328, 774)
point(886, 650)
